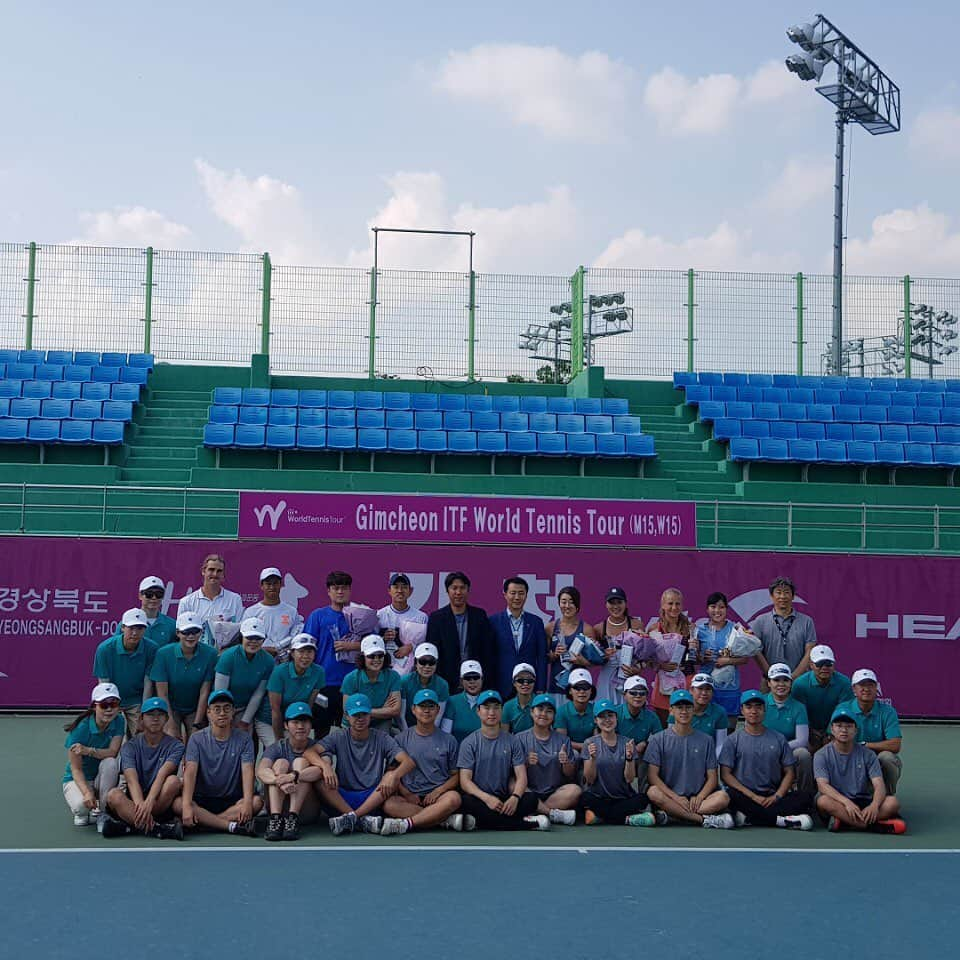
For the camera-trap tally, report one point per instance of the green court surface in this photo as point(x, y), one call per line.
point(32, 758)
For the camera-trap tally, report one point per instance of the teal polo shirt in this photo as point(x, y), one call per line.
point(881, 723)
point(357, 681)
point(517, 718)
point(162, 631)
point(126, 668)
point(411, 683)
point(712, 719)
point(638, 728)
point(820, 701)
point(463, 718)
point(787, 718)
point(578, 726)
point(184, 676)
point(90, 735)
point(294, 688)
point(246, 674)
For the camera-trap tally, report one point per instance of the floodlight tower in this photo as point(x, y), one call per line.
point(862, 94)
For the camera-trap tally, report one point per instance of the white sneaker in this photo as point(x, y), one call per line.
point(538, 821)
point(453, 822)
point(802, 821)
point(469, 822)
point(81, 820)
point(567, 817)
point(371, 824)
point(740, 819)
point(718, 821)
point(392, 825)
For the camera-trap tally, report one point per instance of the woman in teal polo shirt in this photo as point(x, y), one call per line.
point(424, 677)
point(244, 670)
point(298, 681)
point(516, 711)
point(788, 716)
point(575, 717)
point(93, 742)
point(375, 680)
point(460, 717)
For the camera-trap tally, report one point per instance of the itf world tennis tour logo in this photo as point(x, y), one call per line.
point(270, 511)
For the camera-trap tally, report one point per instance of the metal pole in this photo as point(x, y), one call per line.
point(148, 301)
point(372, 333)
point(265, 306)
point(690, 306)
point(907, 326)
point(472, 319)
point(838, 251)
point(576, 323)
point(31, 284)
point(799, 324)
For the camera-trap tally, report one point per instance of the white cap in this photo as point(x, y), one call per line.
point(302, 640)
point(134, 617)
point(189, 621)
point(863, 674)
point(105, 691)
point(470, 666)
point(270, 572)
point(779, 670)
point(821, 652)
point(147, 582)
point(253, 627)
point(426, 650)
point(701, 680)
point(579, 676)
point(523, 668)
point(372, 643)
point(635, 681)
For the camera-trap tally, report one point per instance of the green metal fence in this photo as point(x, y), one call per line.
point(225, 307)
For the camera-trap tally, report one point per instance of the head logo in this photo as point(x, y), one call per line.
point(273, 512)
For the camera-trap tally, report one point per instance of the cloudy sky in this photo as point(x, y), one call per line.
point(623, 134)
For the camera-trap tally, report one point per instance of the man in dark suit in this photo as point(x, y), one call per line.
point(461, 632)
point(519, 638)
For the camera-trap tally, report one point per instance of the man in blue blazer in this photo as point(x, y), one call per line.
point(519, 637)
point(461, 632)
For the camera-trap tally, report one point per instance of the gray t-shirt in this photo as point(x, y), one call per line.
point(282, 750)
point(219, 762)
point(491, 760)
point(683, 761)
point(610, 761)
point(435, 756)
point(360, 763)
point(546, 775)
point(282, 623)
point(757, 761)
point(785, 639)
point(851, 773)
point(138, 755)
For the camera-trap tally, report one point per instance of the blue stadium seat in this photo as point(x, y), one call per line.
point(933, 386)
point(250, 416)
point(561, 405)
point(683, 379)
point(341, 418)
point(809, 383)
point(76, 431)
point(371, 419)
point(764, 380)
point(341, 400)
point(9, 356)
point(766, 411)
point(52, 371)
point(611, 445)
point(800, 395)
point(313, 399)
point(95, 391)
point(856, 383)
point(398, 419)
point(256, 397)
point(462, 441)
point(919, 453)
point(571, 423)
point(432, 441)
point(543, 422)
point(820, 412)
point(724, 394)
point(55, 409)
point(726, 428)
point(250, 436)
point(902, 415)
point(861, 451)
point(874, 413)
point(140, 361)
point(492, 442)
point(889, 453)
point(402, 441)
point(479, 403)
point(950, 415)
point(506, 404)
point(372, 439)
point(627, 424)
point(533, 404)
point(793, 411)
point(25, 409)
point(228, 396)
point(951, 399)
point(946, 454)
point(456, 420)
point(396, 400)
point(877, 399)
point(219, 413)
point(103, 374)
point(133, 375)
point(739, 410)
point(894, 432)
point(484, 420)
point(20, 371)
point(833, 383)
point(4, 407)
point(694, 395)
point(883, 385)
point(341, 438)
point(36, 389)
point(899, 399)
point(313, 417)
point(86, 358)
point(922, 433)
point(829, 397)
point(928, 415)
point(311, 438)
point(13, 429)
point(424, 401)
point(948, 433)
point(755, 429)
point(832, 451)
point(63, 357)
point(64, 390)
point(711, 379)
point(867, 432)
point(743, 448)
point(452, 402)
point(598, 424)
point(710, 410)
point(847, 412)
point(93, 410)
point(923, 399)
point(773, 449)
point(857, 397)
point(514, 422)
point(110, 432)
point(582, 444)
point(803, 451)
point(43, 431)
point(280, 417)
point(30, 356)
point(588, 406)
point(117, 410)
point(786, 380)
point(750, 394)
point(617, 406)
point(908, 386)
point(521, 442)
point(811, 430)
point(775, 395)
point(428, 420)
point(281, 436)
point(113, 359)
point(369, 400)
point(640, 445)
point(552, 444)
point(125, 391)
point(735, 379)
point(783, 429)
point(284, 398)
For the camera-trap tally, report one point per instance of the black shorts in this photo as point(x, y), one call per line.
point(216, 805)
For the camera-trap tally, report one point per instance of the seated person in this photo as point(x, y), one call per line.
point(149, 764)
point(757, 768)
point(288, 778)
point(360, 785)
point(820, 690)
point(637, 723)
point(852, 795)
point(682, 770)
point(493, 774)
point(708, 717)
point(878, 727)
point(427, 796)
point(551, 764)
point(218, 773)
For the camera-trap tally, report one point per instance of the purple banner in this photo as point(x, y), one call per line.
point(399, 518)
point(898, 615)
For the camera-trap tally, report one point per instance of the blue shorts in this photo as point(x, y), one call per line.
point(729, 700)
point(355, 798)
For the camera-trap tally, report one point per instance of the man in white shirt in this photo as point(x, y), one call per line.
point(213, 603)
point(280, 620)
point(397, 611)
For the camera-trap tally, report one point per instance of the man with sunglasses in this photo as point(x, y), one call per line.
point(184, 673)
point(161, 629)
point(637, 723)
point(821, 690)
point(423, 677)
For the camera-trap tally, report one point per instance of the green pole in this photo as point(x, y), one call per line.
point(907, 331)
point(472, 327)
point(576, 322)
point(148, 301)
point(265, 306)
point(371, 363)
point(799, 324)
point(31, 286)
point(690, 306)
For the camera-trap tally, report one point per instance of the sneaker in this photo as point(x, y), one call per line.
point(260, 822)
point(346, 823)
point(740, 819)
point(894, 825)
point(113, 828)
point(661, 817)
point(246, 829)
point(291, 826)
point(393, 825)
point(835, 825)
point(453, 822)
point(718, 821)
point(274, 829)
point(590, 818)
point(802, 821)
point(469, 822)
point(567, 817)
point(371, 824)
point(537, 821)
point(81, 820)
point(641, 820)
point(167, 831)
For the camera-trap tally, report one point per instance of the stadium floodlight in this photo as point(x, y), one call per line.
point(862, 94)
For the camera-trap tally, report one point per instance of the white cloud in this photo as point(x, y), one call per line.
point(771, 82)
point(722, 249)
point(917, 241)
point(936, 133)
point(131, 227)
point(540, 87)
point(802, 181)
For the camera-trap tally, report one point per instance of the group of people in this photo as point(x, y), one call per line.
point(463, 720)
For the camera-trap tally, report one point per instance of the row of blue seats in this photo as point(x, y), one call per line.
point(809, 430)
point(790, 380)
point(37, 430)
point(898, 398)
point(29, 409)
point(89, 358)
point(427, 420)
point(855, 452)
point(68, 390)
point(377, 400)
point(78, 373)
point(248, 436)
point(824, 413)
